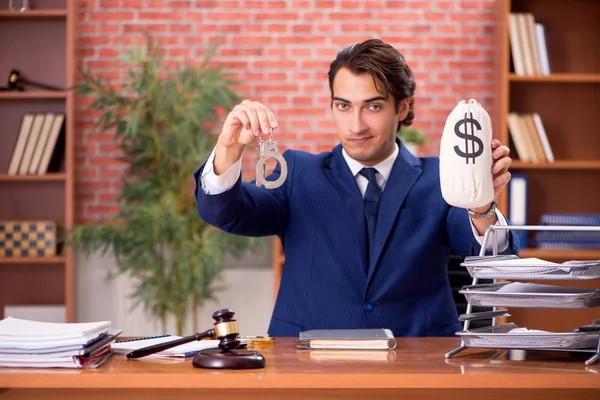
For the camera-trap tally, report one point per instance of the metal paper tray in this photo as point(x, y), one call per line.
point(500, 337)
point(491, 267)
point(517, 294)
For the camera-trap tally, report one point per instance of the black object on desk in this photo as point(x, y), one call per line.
point(227, 356)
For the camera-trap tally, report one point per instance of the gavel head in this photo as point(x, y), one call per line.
point(14, 79)
point(226, 329)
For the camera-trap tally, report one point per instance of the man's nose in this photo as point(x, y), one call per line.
point(358, 123)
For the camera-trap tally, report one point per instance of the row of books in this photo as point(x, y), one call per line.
point(529, 138)
point(569, 240)
point(39, 147)
point(564, 240)
point(528, 45)
point(38, 344)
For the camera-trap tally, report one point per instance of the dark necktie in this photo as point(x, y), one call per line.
point(371, 201)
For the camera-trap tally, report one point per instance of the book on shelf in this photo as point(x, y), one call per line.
point(529, 137)
point(568, 240)
point(517, 205)
point(528, 45)
point(35, 344)
point(40, 144)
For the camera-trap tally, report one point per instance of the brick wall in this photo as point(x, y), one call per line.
point(281, 50)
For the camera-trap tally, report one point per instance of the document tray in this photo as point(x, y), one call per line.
point(533, 295)
point(501, 337)
point(511, 267)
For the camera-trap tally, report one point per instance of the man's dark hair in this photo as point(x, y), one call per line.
point(387, 67)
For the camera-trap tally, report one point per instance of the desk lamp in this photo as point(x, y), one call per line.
point(227, 356)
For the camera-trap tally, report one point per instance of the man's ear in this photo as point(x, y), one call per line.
point(403, 108)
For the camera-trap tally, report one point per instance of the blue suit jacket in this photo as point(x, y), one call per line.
point(327, 281)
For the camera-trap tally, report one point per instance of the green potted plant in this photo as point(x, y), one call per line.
point(412, 138)
point(163, 122)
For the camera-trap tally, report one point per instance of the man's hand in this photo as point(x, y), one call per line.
point(246, 121)
point(500, 166)
point(500, 170)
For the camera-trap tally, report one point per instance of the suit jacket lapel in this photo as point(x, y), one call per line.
point(405, 172)
point(341, 177)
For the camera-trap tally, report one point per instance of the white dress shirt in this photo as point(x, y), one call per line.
point(215, 184)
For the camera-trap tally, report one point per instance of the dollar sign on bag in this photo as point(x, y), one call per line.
point(473, 123)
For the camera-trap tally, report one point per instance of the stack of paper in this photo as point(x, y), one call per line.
point(26, 343)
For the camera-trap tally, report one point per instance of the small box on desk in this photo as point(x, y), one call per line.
point(21, 238)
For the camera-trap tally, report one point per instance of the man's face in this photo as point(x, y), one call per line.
point(366, 120)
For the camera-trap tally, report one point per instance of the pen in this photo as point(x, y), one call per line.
point(145, 351)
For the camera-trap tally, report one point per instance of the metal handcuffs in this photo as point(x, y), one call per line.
point(268, 149)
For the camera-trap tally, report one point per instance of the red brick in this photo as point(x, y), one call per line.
point(275, 4)
point(226, 16)
point(447, 29)
point(109, 4)
point(276, 16)
point(111, 16)
point(325, 3)
point(252, 40)
point(273, 28)
point(137, 4)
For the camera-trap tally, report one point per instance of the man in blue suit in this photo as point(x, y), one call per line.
point(366, 232)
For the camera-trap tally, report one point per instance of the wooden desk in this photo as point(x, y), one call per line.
point(417, 369)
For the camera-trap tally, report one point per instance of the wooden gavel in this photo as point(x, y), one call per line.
point(225, 329)
point(15, 81)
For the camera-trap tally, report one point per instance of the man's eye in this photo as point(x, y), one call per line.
point(342, 106)
point(375, 107)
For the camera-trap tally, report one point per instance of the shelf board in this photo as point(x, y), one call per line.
point(556, 78)
point(33, 178)
point(558, 164)
point(32, 260)
point(32, 94)
point(556, 254)
point(34, 14)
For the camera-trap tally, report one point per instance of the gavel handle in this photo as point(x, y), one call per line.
point(41, 85)
point(145, 351)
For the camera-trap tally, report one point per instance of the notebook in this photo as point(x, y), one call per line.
point(347, 339)
point(183, 350)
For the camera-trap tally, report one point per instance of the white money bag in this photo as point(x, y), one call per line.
point(466, 157)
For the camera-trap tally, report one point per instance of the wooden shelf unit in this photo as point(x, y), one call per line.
point(32, 94)
point(34, 14)
point(567, 102)
point(40, 43)
point(557, 77)
point(30, 178)
point(558, 164)
point(33, 260)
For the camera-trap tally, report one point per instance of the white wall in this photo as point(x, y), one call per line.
point(102, 296)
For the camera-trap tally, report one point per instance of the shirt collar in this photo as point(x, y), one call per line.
point(384, 167)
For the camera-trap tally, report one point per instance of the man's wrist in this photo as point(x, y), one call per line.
point(226, 156)
point(483, 212)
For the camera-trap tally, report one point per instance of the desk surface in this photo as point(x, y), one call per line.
point(415, 363)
